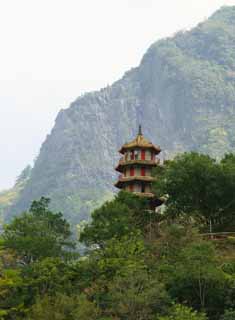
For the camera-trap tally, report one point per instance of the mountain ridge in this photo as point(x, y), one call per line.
point(183, 95)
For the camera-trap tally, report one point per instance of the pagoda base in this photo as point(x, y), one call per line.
point(154, 202)
point(144, 194)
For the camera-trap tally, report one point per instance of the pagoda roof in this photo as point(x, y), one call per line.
point(140, 142)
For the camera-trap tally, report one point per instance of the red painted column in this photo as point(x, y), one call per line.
point(132, 171)
point(143, 171)
point(142, 154)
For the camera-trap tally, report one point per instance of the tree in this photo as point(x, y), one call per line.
point(173, 239)
point(227, 186)
point(229, 315)
point(199, 187)
point(136, 294)
point(38, 234)
point(63, 307)
point(47, 277)
point(11, 294)
point(122, 279)
point(197, 280)
point(180, 312)
point(127, 213)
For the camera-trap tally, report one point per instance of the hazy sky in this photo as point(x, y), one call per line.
point(51, 51)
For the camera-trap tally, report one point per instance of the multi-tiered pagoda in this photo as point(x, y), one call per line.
point(139, 158)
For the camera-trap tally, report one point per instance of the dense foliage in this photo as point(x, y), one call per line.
point(138, 264)
point(200, 187)
point(38, 234)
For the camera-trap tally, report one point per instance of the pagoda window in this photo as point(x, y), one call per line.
point(142, 188)
point(132, 171)
point(132, 155)
point(152, 156)
point(131, 187)
point(136, 154)
point(142, 154)
point(143, 171)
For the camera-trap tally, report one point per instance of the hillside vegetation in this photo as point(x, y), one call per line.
point(8, 197)
point(183, 93)
point(138, 264)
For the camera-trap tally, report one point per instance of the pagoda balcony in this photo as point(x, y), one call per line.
point(123, 180)
point(124, 162)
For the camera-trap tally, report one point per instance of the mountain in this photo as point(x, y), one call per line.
point(8, 197)
point(183, 94)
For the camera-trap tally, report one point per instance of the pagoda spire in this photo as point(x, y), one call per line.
point(140, 130)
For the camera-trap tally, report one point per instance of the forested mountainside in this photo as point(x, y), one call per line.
point(8, 197)
point(183, 94)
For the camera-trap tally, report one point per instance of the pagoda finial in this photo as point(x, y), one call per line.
point(140, 130)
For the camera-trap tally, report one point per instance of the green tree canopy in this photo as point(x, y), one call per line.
point(229, 315)
point(180, 312)
point(199, 186)
point(38, 233)
point(126, 214)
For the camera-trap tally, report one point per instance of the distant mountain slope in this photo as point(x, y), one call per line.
point(183, 93)
point(8, 197)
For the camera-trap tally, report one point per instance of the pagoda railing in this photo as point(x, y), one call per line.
point(123, 178)
point(124, 161)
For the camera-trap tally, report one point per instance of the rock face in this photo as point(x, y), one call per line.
point(183, 94)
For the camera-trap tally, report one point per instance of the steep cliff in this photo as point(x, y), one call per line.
point(183, 94)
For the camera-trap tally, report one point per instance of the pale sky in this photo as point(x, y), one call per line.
point(51, 51)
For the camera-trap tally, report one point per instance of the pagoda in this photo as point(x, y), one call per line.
point(135, 167)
